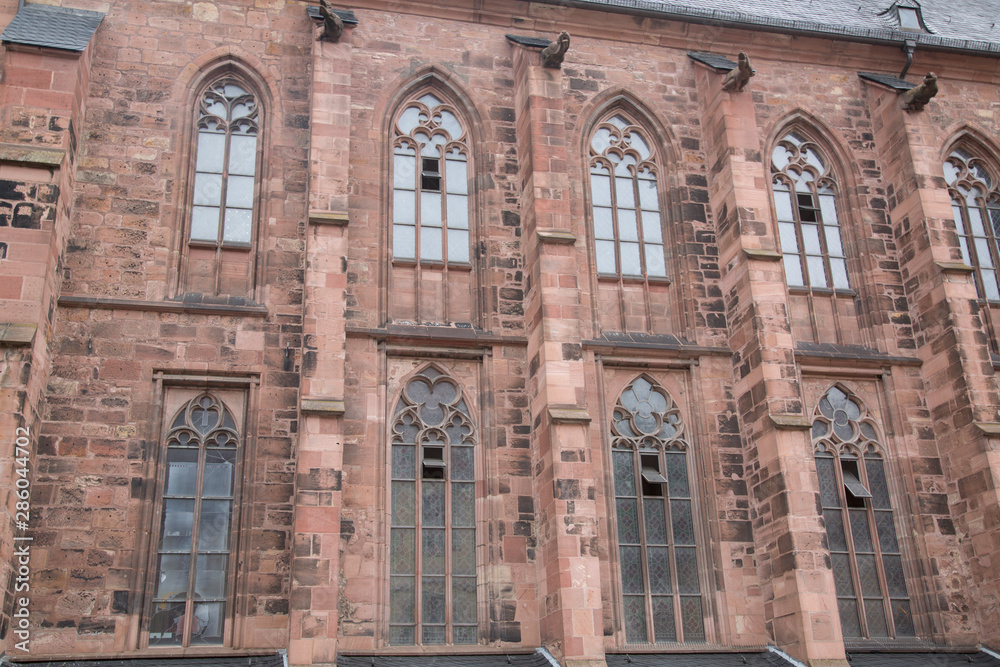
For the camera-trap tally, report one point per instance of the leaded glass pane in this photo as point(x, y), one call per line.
point(648, 197)
point(463, 554)
point(182, 472)
point(833, 244)
point(635, 619)
point(659, 569)
point(458, 246)
point(462, 464)
point(432, 504)
point(860, 531)
point(903, 618)
point(430, 210)
point(172, 581)
point(238, 225)
point(463, 505)
point(687, 570)
point(628, 521)
point(793, 270)
point(810, 239)
point(404, 171)
point(401, 594)
point(242, 155)
point(431, 244)
point(433, 551)
point(401, 635)
point(213, 528)
point(207, 189)
point(835, 530)
point(869, 576)
point(630, 259)
point(877, 485)
point(402, 554)
point(211, 151)
point(875, 612)
point(433, 634)
point(783, 209)
point(600, 188)
point(404, 207)
point(677, 477)
point(631, 564)
point(839, 269)
point(664, 627)
point(886, 532)
point(655, 264)
point(605, 256)
point(463, 590)
point(465, 634)
point(433, 593)
point(627, 226)
point(656, 521)
point(458, 212)
point(404, 461)
point(817, 272)
point(850, 624)
point(651, 230)
point(680, 511)
point(404, 242)
point(456, 176)
point(789, 239)
point(692, 619)
point(239, 191)
point(842, 574)
point(895, 582)
point(210, 576)
point(624, 473)
point(624, 193)
point(604, 224)
point(204, 223)
point(176, 527)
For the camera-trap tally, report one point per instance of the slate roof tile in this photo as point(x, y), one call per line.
point(53, 27)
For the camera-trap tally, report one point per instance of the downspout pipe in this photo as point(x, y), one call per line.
point(909, 46)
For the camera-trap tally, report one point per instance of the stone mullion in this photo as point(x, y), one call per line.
point(962, 396)
point(319, 459)
point(569, 587)
point(799, 595)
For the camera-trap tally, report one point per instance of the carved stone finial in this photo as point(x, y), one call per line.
point(915, 98)
point(333, 26)
point(737, 78)
point(553, 54)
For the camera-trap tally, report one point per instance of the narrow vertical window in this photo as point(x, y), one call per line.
point(976, 205)
point(222, 210)
point(805, 204)
point(430, 196)
point(192, 586)
point(625, 203)
point(864, 551)
point(661, 592)
point(432, 555)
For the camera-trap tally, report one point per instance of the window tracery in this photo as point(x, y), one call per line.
point(854, 493)
point(625, 203)
point(805, 203)
point(657, 546)
point(975, 202)
point(432, 568)
point(192, 588)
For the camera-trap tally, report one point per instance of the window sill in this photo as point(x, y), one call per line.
point(632, 280)
point(839, 291)
point(433, 264)
point(225, 246)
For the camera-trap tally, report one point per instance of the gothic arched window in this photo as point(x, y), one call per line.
point(976, 206)
point(430, 196)
point(661, 592)
point(192, 586)
point(628, 228)
point(432, 545)
point(805, 204)
point(854, 492)
point(223, 206)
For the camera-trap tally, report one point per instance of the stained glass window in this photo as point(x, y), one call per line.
point(430, 176)
point(805, 205)
point(657, 545)
point(191, 590)
point(975, 203)
point(222, 204)
point(625, 202)
point(854, 493)
point(432, 564)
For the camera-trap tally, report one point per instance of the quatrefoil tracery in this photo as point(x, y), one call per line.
point(796, 159)
point(645, 417)
point(842, 424)
point(431, 409)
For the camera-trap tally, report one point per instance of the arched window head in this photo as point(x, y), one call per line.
point(222, 211)
point(976, 206)
point(661, 592)
point(854, 492)
point(432, 562)
point(430, 197)
point(628, 227)
point(805, 204)
point(192, 587)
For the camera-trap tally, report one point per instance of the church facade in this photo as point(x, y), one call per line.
point(569, 332)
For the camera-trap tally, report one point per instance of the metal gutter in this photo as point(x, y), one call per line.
point(666, 10)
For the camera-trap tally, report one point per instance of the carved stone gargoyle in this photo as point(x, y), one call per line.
point(915, 98)
point(333, 26)
point(737, 78)
point(553, 54)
